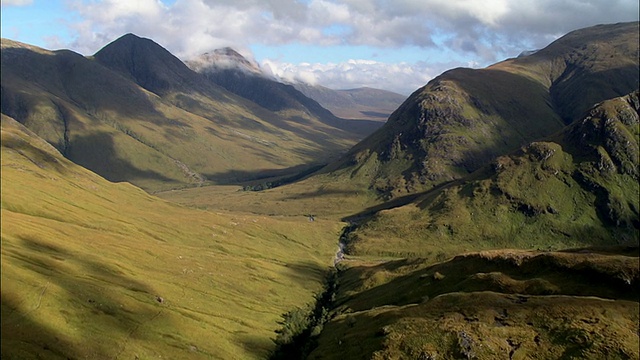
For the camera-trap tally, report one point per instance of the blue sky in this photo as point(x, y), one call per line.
point(396, 45)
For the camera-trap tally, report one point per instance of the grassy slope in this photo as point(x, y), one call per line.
point(575, 189)
point(464, 118)
point(107, 123)
point(324, 196)
point(498, 304)
point(83, 261)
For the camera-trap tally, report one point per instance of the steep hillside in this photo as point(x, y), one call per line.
point(577, 188)
point(464, 118)
point(151, 67)
point(96, 270)
point(135, 113)
point(449, 300)
point(231, 71)
point(360, 103)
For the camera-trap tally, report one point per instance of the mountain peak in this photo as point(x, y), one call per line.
point(225, 58)
point(146, 62)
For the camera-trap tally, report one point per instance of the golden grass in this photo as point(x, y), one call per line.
point(324, 196)
point(85, 263)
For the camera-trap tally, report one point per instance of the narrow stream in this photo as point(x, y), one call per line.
point(340, 253)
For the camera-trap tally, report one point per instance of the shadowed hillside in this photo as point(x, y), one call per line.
point(135, 113)
point(495, 215)
point(268, 93)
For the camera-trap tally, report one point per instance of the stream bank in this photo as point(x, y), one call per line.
point(300, 327)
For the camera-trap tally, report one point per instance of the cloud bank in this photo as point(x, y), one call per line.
point(478, 31)
point(397, 77)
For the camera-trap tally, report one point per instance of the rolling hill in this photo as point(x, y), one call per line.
point(464, 118)
point(495, 215)
point(134, 112)
point(502, 304)
point(520, 259)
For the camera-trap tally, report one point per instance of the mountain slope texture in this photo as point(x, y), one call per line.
point(577, 188)
point(97, 270)
point(232, 71)
point(465, 117)
point(134, 112)
point(487, 271)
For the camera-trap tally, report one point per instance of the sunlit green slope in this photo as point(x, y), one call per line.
point(577, 188)
point(92, 269)
point(501, 304)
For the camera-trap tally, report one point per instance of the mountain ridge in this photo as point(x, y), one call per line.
point(465, 117)
point(129, 112)
point(268, 92)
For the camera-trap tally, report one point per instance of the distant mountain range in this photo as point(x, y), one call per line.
point(360, 103)
point(134, 112)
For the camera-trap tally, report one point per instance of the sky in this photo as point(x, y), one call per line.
point(396, 45)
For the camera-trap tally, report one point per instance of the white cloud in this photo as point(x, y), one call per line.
point(481, 32)
point(502, 25)
point(400, 77)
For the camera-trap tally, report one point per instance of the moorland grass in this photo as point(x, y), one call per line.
point(92, 269)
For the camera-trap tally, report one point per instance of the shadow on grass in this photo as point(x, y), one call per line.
point(259, 347)
point(97, 152)
point(572, 273)
point(25, 337)
point(256, 178)
point(307, 273)
point(96, 301)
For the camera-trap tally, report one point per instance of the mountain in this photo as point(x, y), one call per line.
point(97, 270)
point(577, 188)
point(232, 71)
point(517, 260)
point(511, 228)
point(360, 103)
point(224, 59)
point(464, 118)
point(134, 112)
point(151, 66)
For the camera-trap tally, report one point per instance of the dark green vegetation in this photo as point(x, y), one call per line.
point(511, 228)
point(464, 118)
point(577, 188)
point(134, 112)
